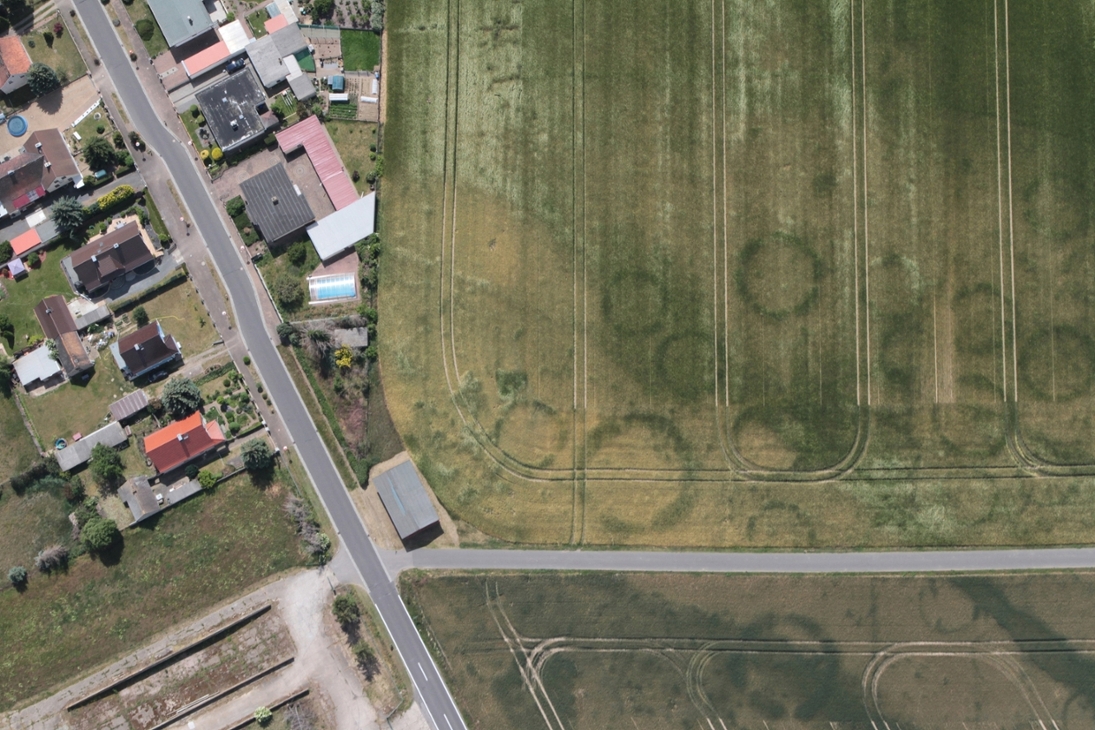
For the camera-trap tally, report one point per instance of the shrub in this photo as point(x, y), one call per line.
point(263, 716)
point(117, 197)
point(58, 29)
point(140, 316)
point(52, 558)
point(100, 128)
point(191, 471)
point(204, 154)
point(34, 259)
point(194, 111)
point(68, 215)
point(99, 534)
point(257, 455)
point(181, 397)
point(119, 140)
point(287, 291)
point(86, 511)
point(346, 609)
point(355, 176)
point(297, 253)
point(98, 153)
point(370, 353)
point(6, 252)
point(145, 29)
point(207, 479)
point(235, 206)
point(364, 654)
point(201, 120)
point(246, 359)
point(271, 139)
point(18, 576)
point(48, 38)
point(285, 331)
point(106, 466)
point(218, 154)
point(41, 78)
point(344, 357)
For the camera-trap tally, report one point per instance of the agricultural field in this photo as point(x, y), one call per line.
point(770, 274)
point(804, 652)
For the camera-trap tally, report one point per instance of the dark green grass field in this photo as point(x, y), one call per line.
point(688, 651)
point(744, 274)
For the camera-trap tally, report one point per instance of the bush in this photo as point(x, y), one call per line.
point(41, 78)
point(257, 455)
point(117, 197)
point(106, 466)
point(86, 511)
point(119, 140)
point(145, 29)
point(34, 259)
point(207, 479)
point(100, 128)
point(298, 253)
point(288, 292)
point(6, 252)
point(191, 471)
point(68, 215)
point(271, 139)
point(98, 153)
point(48, 38)
point(346, 609)
point(364, 654)
point(58, 29)
point(285, 331)
point(246, 359)
point(99, 534)
point(218, 154)
point(140, 316)
point(52, 558)
point(204, 154)
point(370, 353)
point(181, 397)
point(235, 206)
point(263, 716)
point(194, 111)
point(18, 576)
point(201, 120)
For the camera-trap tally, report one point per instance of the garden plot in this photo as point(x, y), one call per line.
point(688, 264)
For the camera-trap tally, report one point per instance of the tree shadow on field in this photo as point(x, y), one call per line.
point(1070, 668)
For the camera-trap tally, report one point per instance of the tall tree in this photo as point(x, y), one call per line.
point(68, 215)
point(99, 153)
point(42, 79)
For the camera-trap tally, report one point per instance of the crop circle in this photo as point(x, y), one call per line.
point(779, 275)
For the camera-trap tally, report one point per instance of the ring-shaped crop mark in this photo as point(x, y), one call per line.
point(1057, 209)
point(754, 271)
point(634, 303)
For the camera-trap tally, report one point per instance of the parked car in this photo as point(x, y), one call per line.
point(235, 65)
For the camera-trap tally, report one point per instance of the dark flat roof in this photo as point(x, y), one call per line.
point(404, 496)
point(235, 99)
point(274, 204)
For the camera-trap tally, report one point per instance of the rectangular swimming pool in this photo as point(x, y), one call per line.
point(331, 288)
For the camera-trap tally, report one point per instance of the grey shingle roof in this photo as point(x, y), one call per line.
point(180, 20)
point(79, 452)
point(274, 204)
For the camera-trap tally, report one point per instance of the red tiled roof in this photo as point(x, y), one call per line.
point(207, 58)
point(182, 441)
point(276, 23)
point(13, 56)
point(317, 145)
point(25, 242)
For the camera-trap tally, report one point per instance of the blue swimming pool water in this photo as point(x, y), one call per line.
point(339, 286)
point(17, 125)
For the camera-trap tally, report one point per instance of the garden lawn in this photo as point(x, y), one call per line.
point(16, 447)
point(257, 21)
point(184, 317)
point(62, 56)
point(77, 407)
point(352, 140)
point(360, 50)
point(22, 296)
point(156, 44)
point(172, 568)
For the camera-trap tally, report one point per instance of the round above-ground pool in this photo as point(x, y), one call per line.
point(17, 125)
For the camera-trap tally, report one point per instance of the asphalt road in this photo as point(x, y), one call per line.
point(432, 694)
point(926, 561)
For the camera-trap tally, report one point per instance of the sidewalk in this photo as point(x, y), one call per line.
point(190, 246)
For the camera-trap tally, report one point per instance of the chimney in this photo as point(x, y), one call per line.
point(274, 200)
point(37, 145)
point(94, 259)
point(47, 164)
point(189, 20)
point(181, 437)
point(49, 311)
point(116, 245)
point(137, 346)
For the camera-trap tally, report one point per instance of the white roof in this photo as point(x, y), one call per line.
point(287, 10)
point(36, 365)
point(343, 228)
point(292, 66)
point(234, 36)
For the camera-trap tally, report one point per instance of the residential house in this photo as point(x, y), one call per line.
point(59, 166)
point(182, 442)
point(236, 111)
point(59, 325)
point(21, 183)
point(110, 256)
point(14, 64)
point(276, 205)
point(145, 350)
point(181, 21)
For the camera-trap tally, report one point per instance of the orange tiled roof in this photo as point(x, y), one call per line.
point(13, 56)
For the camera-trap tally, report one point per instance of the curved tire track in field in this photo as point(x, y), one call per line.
point(999, 654)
